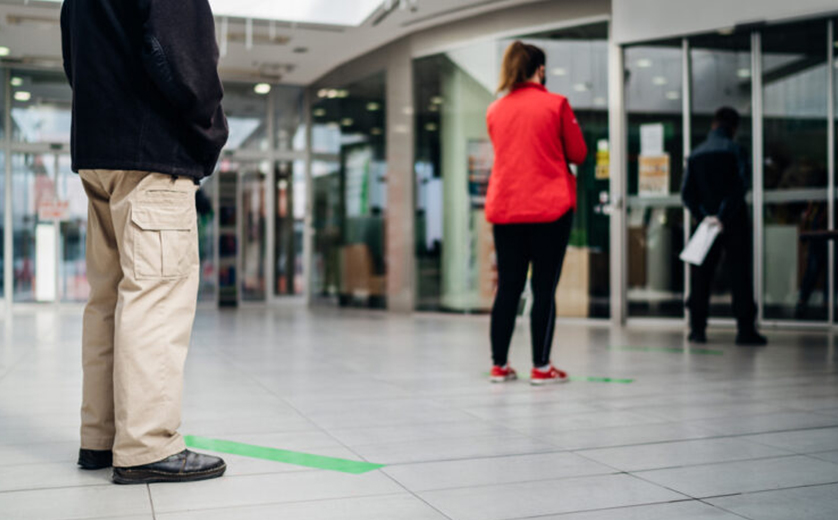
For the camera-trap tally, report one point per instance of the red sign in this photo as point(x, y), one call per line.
point(54, 210)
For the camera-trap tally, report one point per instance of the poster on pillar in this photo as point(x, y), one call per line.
point(483, 268)
point(481, 157)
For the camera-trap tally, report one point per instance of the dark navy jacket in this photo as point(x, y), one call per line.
point(717, 180)
point(146, 91)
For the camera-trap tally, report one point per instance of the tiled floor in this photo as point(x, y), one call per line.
point(713, 436)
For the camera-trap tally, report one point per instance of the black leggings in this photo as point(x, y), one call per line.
point(517, 245)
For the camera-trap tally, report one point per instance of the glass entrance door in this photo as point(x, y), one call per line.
point(50, 230)
point(795, 178)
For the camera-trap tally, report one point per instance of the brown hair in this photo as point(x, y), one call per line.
point(520, 62)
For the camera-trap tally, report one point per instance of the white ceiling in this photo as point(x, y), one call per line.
point(333, 12)
point(283, 51)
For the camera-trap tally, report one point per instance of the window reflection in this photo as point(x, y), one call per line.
point(350, 195)
point(795, 174)
point(654, 84)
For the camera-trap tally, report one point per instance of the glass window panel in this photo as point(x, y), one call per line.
point(247, 114)
point(795, 170)
point(350, 204)
point(577, 65)
point(73, 235)
point(35, 251)
point(205, 204)
point(454, 158)
point(721, 76)
point(655, 216)
point(41, 107)
point(288, 116)
point(289, 226)
point(253, 211)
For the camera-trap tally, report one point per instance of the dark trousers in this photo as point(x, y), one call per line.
point(517, 246)
point(736, 243)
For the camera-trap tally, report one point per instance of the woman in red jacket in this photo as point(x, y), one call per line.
point(531, 201)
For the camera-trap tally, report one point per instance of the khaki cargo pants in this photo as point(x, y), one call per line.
point(143, 269)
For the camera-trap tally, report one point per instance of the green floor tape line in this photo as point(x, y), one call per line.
point(603, 380)
point(673, 350)
point(289, 457)
point(586, 379)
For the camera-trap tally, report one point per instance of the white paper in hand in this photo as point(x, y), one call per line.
point(701, 242)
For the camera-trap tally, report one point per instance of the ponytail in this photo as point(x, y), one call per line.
point(520, 63)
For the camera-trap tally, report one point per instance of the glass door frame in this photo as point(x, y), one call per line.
point(619, 228)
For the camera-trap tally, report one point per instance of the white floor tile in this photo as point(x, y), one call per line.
point(546, 497)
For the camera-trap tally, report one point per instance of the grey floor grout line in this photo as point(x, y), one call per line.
point(416, 495)
point(601, 509)
point(723, 509)
point(151, 501)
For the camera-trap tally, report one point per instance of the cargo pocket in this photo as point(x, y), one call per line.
point(165, 239)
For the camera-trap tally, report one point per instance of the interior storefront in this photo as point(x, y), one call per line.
point(455, 251)
point(780, 77)
point(46, 208)
point(299, 203)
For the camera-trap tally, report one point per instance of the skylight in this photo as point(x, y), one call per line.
point(331, 12)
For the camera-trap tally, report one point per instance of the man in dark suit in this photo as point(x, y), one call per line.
point(147, 127)
point(715, 185)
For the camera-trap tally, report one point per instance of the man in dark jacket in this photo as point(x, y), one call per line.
point(147, 126)
point(715, 186)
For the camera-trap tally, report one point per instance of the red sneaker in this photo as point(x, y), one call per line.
point(501, 375)
point(553, 375)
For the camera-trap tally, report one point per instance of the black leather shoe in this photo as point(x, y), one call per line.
point(751, 339)
point(697, 337)
point(186, 466)
point(95, 459)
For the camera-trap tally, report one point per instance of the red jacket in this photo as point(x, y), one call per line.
point(535, 135)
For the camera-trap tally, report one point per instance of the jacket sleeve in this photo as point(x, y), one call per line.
point(573, 141)
point(180, 54)
point(690, 194)
point(66, 42)
point(731, 205)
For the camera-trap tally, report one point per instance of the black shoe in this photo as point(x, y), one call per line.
point(697, 337)
point(751, 339)
point(95, 459)
point(186, 466)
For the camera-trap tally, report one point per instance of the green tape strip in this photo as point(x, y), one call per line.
point(603, 380)
point(288, 457)
point(586, 379)
point(673, 350)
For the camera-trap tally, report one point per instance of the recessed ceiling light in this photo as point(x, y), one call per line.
point(373, 107)
point(644, 63)
point(348, 121)
point(437, 100)
point(17, 82)
point(262, 89)
point(673, 95)
point(744, 73)
point(433, 108)
point(580, 87)
point(559, 71)
point(376, 131)
point(22, 95)
point(318, 112)
point(431, 127)
point(322, 93)
point(5, 51)
point(659, 80)
point(342, 94)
